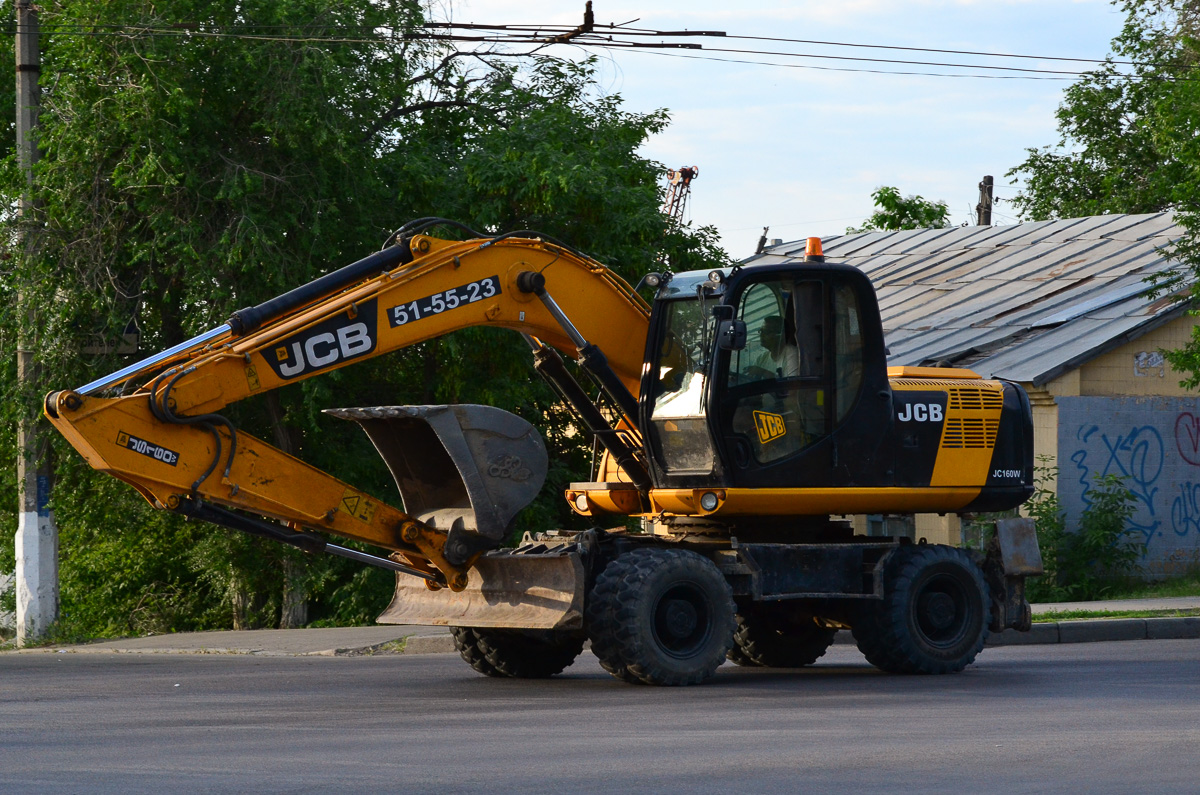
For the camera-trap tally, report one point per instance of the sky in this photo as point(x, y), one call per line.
point(801, 150)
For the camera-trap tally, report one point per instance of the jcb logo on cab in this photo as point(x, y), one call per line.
point(920, 412)
point(770, 426)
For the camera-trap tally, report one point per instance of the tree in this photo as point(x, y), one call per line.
point(1120, 149)
point(894, 212)
point(1130, 143)
point(200, 157)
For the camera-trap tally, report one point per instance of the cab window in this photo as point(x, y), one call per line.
point(680, 408)
point(776, 383)
point(848, 349)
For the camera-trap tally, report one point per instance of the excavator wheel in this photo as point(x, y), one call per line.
point(601, 623)
point(776, 636)
point(933, 618)
point(514, 653)
point(661, 617)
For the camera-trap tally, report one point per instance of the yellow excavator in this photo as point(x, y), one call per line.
point(742, 414)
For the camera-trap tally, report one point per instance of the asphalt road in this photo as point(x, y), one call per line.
point(1093, 717)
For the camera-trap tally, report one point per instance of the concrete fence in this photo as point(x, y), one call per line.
point(1153, 443)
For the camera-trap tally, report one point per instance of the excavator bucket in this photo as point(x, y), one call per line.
point(469, 470)
point(463, 468)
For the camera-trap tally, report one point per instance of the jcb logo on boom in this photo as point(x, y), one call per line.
point(337, 339)
point(920, 412)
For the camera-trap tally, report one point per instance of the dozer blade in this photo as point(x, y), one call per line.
point(511, 591)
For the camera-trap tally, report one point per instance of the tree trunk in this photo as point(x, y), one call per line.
point(240, 602)
point(293, 612)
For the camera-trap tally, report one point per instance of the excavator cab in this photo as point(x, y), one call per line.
point(768, 377)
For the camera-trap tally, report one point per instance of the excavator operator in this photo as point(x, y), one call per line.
point(780, 356)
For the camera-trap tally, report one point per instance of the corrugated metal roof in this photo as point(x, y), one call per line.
point(1026, 302)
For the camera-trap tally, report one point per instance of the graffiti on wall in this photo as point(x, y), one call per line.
point(1153, 444)
point(1148, 363)
point(1136, 456)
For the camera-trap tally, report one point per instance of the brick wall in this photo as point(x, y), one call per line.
point(1136, 368)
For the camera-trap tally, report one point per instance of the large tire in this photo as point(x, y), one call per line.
point(515, 653)
point(778, 636)
point(661, 617)
point(600, 618)
point(933, 617)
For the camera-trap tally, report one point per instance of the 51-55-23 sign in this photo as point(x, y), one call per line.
point(444, 301)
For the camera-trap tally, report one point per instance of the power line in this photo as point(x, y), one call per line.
point(610, 42)
point(512, 35)
point(940, 51)
point(586, 42)
point(184, 29)
point(841, 68)
point(622, 31)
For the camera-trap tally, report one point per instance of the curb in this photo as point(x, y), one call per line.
point(413, 644)
point(1087, 630)
point(430, 644)
point(1096, 630)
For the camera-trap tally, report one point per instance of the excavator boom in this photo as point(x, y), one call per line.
point(167, 440)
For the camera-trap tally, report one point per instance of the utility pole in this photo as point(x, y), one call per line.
point(983, 210)
point(37, 536)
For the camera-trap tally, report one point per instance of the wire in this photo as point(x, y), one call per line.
point(798, 223)
point(865, 60)
point(626, 31)
point(617, 30)
point(508, 35)
point(936, 50)
point(188, 29)
point(848, 68)
point(610, 43)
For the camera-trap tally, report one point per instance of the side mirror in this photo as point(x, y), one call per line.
point(731, 335)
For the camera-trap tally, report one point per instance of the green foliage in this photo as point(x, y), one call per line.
point(1068, 615)
point(1187, 584)
point(1132, 145)
point(185, 176)
point(1126, 145)
point(1087, 563)
point(894, 212)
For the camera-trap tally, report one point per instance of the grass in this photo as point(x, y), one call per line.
point(1067, 615)
point(1129, 588)
point(1188, 585)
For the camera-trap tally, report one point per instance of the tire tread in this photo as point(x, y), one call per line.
point(882, 631)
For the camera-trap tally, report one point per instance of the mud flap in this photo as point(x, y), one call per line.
point(1012, 555)
point(505, 590)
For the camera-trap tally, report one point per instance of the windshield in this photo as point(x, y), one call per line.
point(679, 410)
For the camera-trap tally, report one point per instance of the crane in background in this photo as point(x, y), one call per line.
point(679, 188)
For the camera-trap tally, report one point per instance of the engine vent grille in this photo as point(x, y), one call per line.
point(975, 399)
point(970, 433)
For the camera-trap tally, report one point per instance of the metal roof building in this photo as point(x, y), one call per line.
point(1058, 306)
point(1027, 302)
